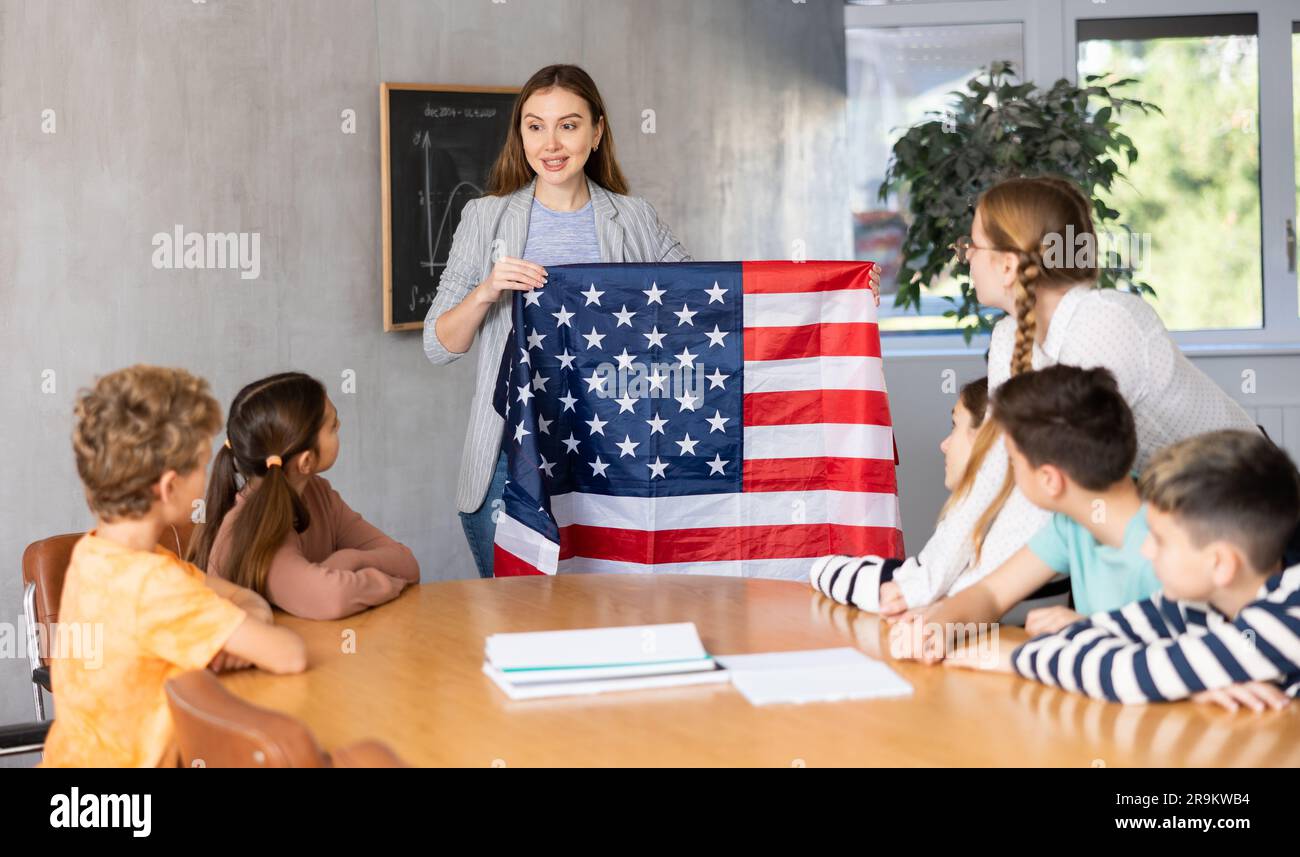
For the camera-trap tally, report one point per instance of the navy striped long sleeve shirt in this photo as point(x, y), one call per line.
point(1162, 650)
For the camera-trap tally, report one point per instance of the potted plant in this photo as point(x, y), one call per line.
point(1000, 129)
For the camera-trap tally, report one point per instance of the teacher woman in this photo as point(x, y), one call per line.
point(555, 196)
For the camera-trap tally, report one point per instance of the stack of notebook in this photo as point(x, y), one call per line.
point(595, 660)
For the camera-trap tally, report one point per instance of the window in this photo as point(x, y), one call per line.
point(896, 76)
point(1193, 195)
point(1216, 188)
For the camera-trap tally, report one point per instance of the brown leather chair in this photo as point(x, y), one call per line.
point(44, 565)
point(216, 729)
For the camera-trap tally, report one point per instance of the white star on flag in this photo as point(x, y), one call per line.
point(624, 317)
point(653, 294)
point(592, 296)
point(715, 293)
point(594, 339)
point(657, 469)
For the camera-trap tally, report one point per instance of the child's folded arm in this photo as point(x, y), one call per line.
point(316, 591)
point(992, 597)
point(274, 649)
point(1135, 655)
point(363, 545)
point(180, 619)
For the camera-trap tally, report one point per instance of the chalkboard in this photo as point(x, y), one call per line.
point(438, 143)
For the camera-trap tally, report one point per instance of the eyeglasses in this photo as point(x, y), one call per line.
point(963, 247)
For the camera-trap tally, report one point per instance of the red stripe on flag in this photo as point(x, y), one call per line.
point(858, 339)
point(506, 564)
point(801, 407)
point(783, 277)
point(721, 544)
point(874, 475)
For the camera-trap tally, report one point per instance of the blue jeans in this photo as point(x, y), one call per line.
point(480, 526)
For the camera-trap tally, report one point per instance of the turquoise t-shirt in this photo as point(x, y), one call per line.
point(1102, 578)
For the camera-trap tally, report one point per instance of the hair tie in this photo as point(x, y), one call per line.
point(273, 461)
point(228, 446)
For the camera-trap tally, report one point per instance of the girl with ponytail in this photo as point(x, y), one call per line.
point(273, 525)
point(1033, 254)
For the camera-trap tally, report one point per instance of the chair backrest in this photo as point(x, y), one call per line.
point(223, 731)
point(45, 564)
point(216, 729)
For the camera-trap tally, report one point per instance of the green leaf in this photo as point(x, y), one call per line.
point(1064, 130)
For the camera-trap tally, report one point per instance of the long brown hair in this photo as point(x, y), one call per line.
point(512, 171)
point(1021, 216)
point(280, 415)
point(974, 397)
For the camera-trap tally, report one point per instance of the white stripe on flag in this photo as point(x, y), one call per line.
point(814, 373)
point(819, 440)
point(792, 309)
point(761, 508)
point(777, 569)
point(527, 544)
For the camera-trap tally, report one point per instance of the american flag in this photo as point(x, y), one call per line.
point(723, 418)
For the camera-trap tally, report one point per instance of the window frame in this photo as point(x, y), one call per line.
point(1050, 30)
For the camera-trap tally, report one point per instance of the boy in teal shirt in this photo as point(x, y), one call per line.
point(1099, 573)
point(1071, 441)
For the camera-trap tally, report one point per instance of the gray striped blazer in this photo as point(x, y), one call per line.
point(628, 231)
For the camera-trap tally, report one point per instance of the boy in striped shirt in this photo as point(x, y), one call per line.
point(1226, 627)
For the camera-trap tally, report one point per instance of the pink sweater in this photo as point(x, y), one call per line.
point(339, 566)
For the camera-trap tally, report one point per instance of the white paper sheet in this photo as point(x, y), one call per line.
point(819, 675)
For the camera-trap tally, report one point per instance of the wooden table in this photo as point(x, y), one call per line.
point(409, 673)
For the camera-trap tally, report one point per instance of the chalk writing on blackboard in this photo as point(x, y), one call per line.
point(438, 146)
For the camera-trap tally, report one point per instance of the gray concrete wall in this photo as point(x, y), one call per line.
point(225, 116)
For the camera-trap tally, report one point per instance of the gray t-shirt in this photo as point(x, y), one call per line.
point(562, 237)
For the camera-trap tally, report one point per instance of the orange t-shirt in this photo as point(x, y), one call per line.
point(128, 621)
